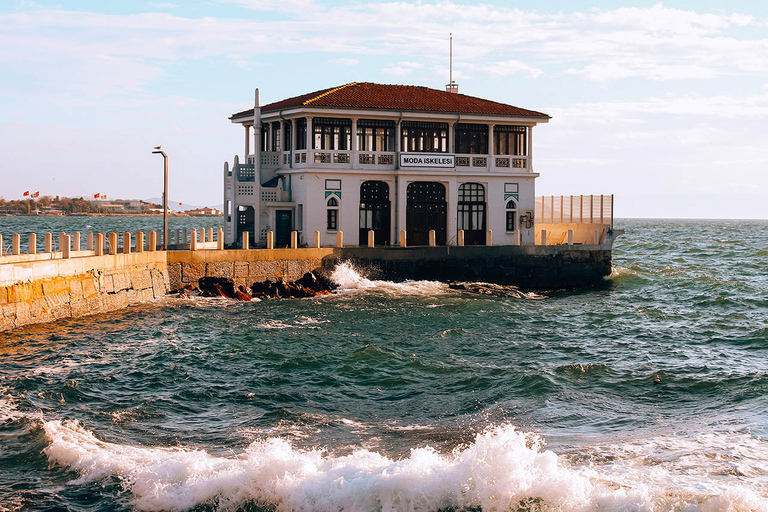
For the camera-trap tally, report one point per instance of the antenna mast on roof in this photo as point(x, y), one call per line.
point(452, 86)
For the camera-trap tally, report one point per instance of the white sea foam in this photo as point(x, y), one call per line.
point(503, 469)
point(349, 279)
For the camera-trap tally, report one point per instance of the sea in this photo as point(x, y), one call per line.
point(648, 392)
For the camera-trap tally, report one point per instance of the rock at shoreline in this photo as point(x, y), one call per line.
point(309, 285)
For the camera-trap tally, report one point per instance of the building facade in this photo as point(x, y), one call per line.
point(384, 158)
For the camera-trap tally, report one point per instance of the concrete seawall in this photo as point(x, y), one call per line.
point(43, 290)
point(535, 267)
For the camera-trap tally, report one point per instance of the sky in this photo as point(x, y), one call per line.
point(664, 105)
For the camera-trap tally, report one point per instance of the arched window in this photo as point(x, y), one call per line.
point(511, 215)
point(332, 218)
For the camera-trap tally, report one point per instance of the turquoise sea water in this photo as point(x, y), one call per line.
point(646, 393)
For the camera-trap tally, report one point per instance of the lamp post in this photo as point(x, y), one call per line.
point(158, 150)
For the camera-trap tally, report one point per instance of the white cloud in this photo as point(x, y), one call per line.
point(402, 69)
point(345, 62)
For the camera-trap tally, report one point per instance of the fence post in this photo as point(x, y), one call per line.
point(76, 241)
point(517, 239)
point(570, 237)
point(210, 234)
point(432, 238)
point(294, 239)
point(152, 246)
point(270, 239)
point(403, 239)
point(113, 243)
point(89, 241)
point(489, 237)
point(460, 238)
point(48, 242)
point(543, 237)
point(371, 238)
point(99, 247)
point(61, 240)
point(193, 240)
point(220, 239)
point(317, 239)
point(31, 243)
point(246, 242)
point(16, 243)
point(127, 242)
point(597, 237)
point(139, 241)
point(339, 239)
point(64, 242)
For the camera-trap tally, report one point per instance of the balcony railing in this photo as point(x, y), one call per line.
point(384, 160)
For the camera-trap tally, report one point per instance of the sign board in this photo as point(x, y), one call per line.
point(427, 160)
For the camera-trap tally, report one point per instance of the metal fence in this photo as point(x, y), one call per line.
point(580, 209)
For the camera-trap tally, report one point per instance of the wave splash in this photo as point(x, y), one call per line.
point(503, 469)
point(348, 279)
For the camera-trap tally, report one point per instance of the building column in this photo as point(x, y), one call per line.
point(269, 138)
point(247, 143)
point(310, 138)
point(491, 157)
point(294, 135)
point(530, 149)
point(452, 198)
point(452, 138)
point(354, 159)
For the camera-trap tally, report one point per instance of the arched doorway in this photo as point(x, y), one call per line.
point(471, 213)
point(425, 210)
point(246, 221)
point(374, 212)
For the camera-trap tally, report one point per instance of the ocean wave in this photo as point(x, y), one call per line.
point(501, 469)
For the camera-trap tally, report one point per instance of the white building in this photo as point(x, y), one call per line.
point(386, 158)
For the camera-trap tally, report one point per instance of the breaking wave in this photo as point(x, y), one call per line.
point(348, 279)
point(503, 469)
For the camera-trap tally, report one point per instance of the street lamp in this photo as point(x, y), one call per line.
point(158, 150)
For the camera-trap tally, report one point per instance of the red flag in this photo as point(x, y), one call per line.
point(179, 204)
point(96, 196)
point(26, 193)
point(103, 197)
point(36, 194)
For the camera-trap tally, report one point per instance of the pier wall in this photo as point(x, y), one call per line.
point(39, 288)
point(531, 267)
point(534, 267)
point(244, 266)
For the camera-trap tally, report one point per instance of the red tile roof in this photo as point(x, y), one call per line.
point(412, 98)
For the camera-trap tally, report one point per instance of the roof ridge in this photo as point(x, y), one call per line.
point(326, 93)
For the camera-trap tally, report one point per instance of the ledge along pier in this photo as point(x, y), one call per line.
point(65, 280)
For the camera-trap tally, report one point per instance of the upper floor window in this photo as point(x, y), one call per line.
point(472, 138)
point(287, 125)
point(375, 135)
point(332, 133)
point(418, 137)
point(264, 136)
point(301, 133)
point(510, 140)
point(275, 136)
